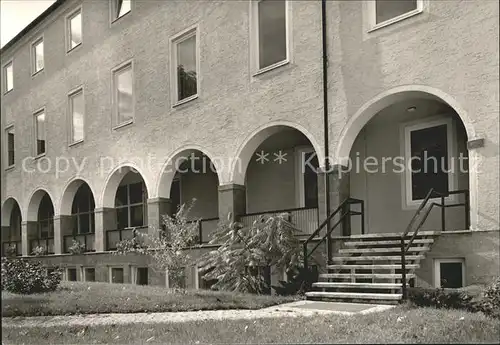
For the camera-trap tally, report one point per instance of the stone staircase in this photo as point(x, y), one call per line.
point(368, 268)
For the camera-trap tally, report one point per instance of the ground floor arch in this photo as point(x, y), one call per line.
point(11, 227)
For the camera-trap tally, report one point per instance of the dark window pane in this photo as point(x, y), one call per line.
point(272, 32)
point(15, 223)
point(137, 215)
point(186, 68)
point(310, 179)
point(136, 193)
point(142, 276)
point(72, 274)
point(117, 275)
point(90, 274)
point(451, 274)
point(84, 221)
point(429, 152)
point(122, 218)
point(10, 148)
point(175, 195)
point(388, 9)
point(121, 196)
point(40, 133)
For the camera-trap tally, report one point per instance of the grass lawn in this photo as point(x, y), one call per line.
point(398, 325)
point(89, 298)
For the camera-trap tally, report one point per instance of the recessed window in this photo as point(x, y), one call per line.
point(185, 62)
point(9, 76)
point(120, 8)
point(449, 273)
point(77, 116)
point(308, 178)
point(123, 95)
point(82, 211)
point(10, 146)
point(385, 12)
point(428, 152)
point(71, 275)
point(140, 275)
point(270, 33)
point(89, 274)
point(37, 56)
point(40, 134)
point(116, 275)
point(130, 205)
point(74, 29)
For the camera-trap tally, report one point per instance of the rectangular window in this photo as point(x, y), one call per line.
point(140, 275)
point(449, 273)
point(130, 204)
point(37, 56)
point(120, 8)
point(185, 61)
point(116, 275)
point(74, 23)
point(89, 274)
point(40, 133)
point(9, 76)
point(429, 150)
point(77, 116)
point(123, 95)
point(272, 32)
point(389, 9)
point(10, 146)
point(71, 275)
point(307, 177)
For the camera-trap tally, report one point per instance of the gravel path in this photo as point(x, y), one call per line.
point(284, 310)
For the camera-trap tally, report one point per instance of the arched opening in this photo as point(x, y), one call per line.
point(41, 236)
point(130, 209)
point(282, 176)
point(193, 177)
point(11, 228)
point(81, 227)
point(412, 145)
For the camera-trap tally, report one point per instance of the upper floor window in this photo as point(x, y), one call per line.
point(186, 64)
point(40, 135)
point(37, 56)
point(385, 12)
point(77, 116)
point(123, 94)
point(270, 33)
point(9, 76)
point(74, 26)
point(120, 8)
point(10, 146)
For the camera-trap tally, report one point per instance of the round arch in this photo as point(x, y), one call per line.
point(69, 192)
point(167, 172)
point(383, 100)
point(258, 136)
point(107, 197)
point(7, 208)
point(34, 204)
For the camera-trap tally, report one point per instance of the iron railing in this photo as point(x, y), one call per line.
point(16, 245)
point(117, 235)
point(344, 209)
point(88, 240)
point(430, 195)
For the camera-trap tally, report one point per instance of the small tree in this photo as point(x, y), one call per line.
point(269, 241)
point(166, 246)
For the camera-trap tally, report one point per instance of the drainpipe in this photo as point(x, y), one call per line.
point(325, 124)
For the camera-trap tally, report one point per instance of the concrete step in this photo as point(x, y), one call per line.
point(339, 285)
point(396, 258)
point(395, 235)
point(374, 267)
point(381, 250)
point(386, 242)
point(354, 295)
point(364, 275)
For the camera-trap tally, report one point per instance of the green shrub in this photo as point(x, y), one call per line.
point(27, 277)
point(440, 298)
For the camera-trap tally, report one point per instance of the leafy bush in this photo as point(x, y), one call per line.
point(299, 281)
point(490, 300)
point(38, 251)
point(76, 247)
point(11, 250)
point(27, 277)
point(440, 298)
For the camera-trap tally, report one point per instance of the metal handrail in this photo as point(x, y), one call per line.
point(443, 206)
point(347, 202)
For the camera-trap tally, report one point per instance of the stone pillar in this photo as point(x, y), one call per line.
point(62, 227)
point(105, 219)
point(338, 179)
point(157, 208)
point(28, 232)
point(232, 201)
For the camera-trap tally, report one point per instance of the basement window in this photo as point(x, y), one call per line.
point(449, 273)
point(116, 275)
point(89, 274)
point(71, 275)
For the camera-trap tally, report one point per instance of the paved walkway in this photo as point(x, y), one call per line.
point(294, 309)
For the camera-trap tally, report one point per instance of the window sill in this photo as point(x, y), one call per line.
point(75, 143)
point(124, 124)
point(10, 167)
point(185, 100)
point(8, 91)
point(69, 51)
point(39, 156)
point(34, 74)
point(396, 19)
point(271, 67)
point(114, 20)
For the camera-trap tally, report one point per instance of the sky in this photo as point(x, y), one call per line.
point(15, 15)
